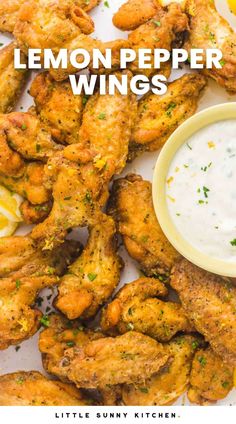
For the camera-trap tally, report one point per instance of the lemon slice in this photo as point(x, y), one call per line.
point(10, 214)
point(9, 205)
point(232, 6)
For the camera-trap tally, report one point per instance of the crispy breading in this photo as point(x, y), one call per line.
point(92, 278)
point(171, 381)
point(106, 127)
point(9, 10)
point(58, 108)
point(34, 214)
point(134, 13)
point(130, 358)
point(131, 206)
point(209, 302)
point(33, 389)
point(208, 30)
point(11, 80)
point(211, 379)
point(27, 136)
point(77, 191)
point(159, 116)
point(137, 307)
point(58, 337)
point(24, 271)
point(62, 25)
point(164, 31)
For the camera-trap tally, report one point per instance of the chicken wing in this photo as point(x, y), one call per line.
point(208, 30)
point(24, 271)
point(82, 172)
point(49, 96)
point(132, 208)
point(170, 382)
point(11, 79)
point(209, 302)
point(9, 10)
point(211, 379)
point(62, 25)
point(137, 307)
point(164, 31)
point(33, 389)
point(134, 13)
point(77, 190)
point(159, 116)
point(27, 136)
point(130, 358)
point(92, 278)
point(57, 338)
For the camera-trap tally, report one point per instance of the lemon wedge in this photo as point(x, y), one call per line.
point(234, 377)
point(232, 6)
point(10, 215)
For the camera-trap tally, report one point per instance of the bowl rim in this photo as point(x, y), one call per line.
point(213, 114)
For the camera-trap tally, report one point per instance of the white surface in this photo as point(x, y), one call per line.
point(28, 357)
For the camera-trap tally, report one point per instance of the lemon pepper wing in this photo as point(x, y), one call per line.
point(209, 302)
point(93, 276)
point(208, 30)
point(211, 379)
point(159, 116)
point(170, 382)
point(11, 80)
point(137, 306)
point(33, 389)
point(132, 209)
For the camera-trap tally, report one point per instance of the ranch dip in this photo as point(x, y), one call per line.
point(201, 190)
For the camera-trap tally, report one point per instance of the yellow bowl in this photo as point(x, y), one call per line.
point(177, 139)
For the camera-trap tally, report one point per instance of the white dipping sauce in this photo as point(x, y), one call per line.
point(201, 190)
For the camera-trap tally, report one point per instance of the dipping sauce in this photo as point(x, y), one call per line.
point(201, 190)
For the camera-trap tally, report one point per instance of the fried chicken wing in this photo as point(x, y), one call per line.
point(81, 173)
point(208, 30)
point(34, 214)
point(92, 278)
point(11, 79)
point(76, 194)
point(27, 136)
point(132, 208)
point(134, 13)
point(33, 389)
point(24, 271)
point(137, 307)
point(49, 96)
point(62, 25)
point(170, 382)
point(9, 10)
point(211, 379)
point(159, 116)
point(162, 32)
point(57, 338)
point(106, 127)
point(209, 302)
point(130, 358)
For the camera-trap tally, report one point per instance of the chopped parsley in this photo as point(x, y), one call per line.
point(102, 116)
point(157, 23)
point(45, 321)
point(106, 4)
point(23, 127)
point(170, 109)
point(233, 242)
point(143, 389)
point(92, 276)
point(18, 283)
point(202, 360)
point(205, 191)
point(70, 344)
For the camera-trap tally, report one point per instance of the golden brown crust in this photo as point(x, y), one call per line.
point(211, 379)
point(137, 307)
point(134, 13)
point(33, 389)
point(132, 209)
point(209, 302)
